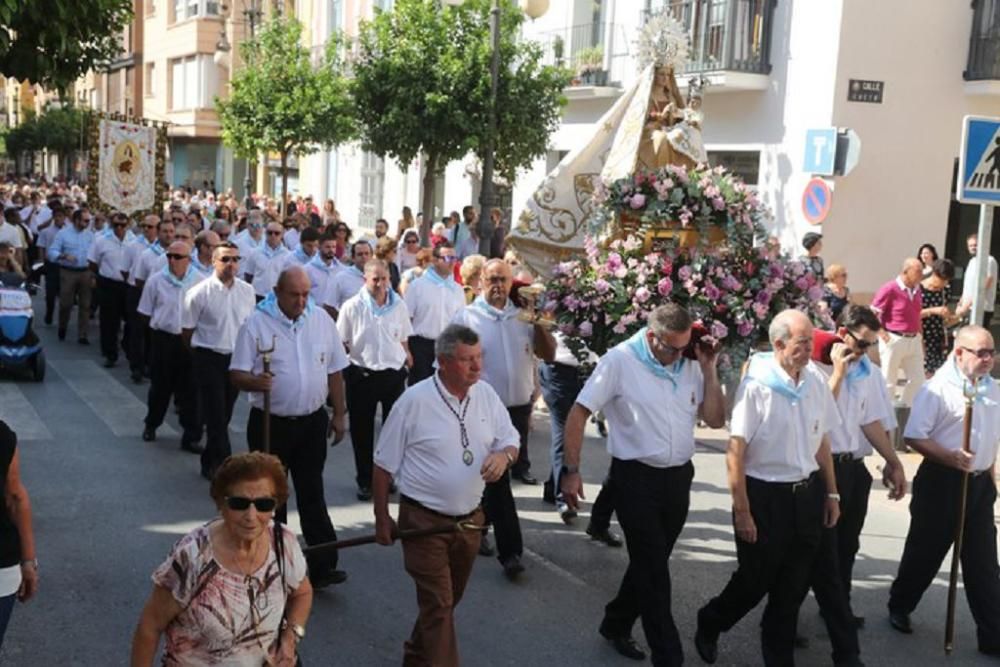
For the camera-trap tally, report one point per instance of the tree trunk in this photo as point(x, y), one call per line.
point(427, 205)
point(284, 184)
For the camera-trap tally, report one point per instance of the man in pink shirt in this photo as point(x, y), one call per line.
point(898, 304)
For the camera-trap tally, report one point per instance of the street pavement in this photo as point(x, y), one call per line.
point(107, 507)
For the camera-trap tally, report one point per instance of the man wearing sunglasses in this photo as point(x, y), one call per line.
point(783, 488)
point(350, 281)
point(866, 418)
point(433, 299)
point(252, 237)
point(263, 266)
point(935, 430)
point(107, 259)
point(205, 244)
point(137, 332)
point(306, 367)
point(652, 398)
point(170, 361)
point(323, 266)
point(213, 312)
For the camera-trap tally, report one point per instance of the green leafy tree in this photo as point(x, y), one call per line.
point(283, 103)
point(422, 85)
point(25, 138)
point(52, 42)
point(59, 130)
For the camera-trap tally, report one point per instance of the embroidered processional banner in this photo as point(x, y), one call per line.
point(127, 163)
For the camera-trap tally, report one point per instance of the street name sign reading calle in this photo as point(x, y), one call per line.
point(979, 161)
point(863, 90)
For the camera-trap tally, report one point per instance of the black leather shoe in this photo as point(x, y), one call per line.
point(512, 567)
point(485, 548)
point(853, 661)
point(62, 334)
point(364, 493)
point(526, 477)
point(707, 647)
point(191, 446)
point(148, 434)
point(566, 513)
point(605, 536)
point(859, 622)
point(82, 341)
point(623, 644)
point(548, 495)
point(110, 363)
point(900, 621)
point(801, 641)
point(328, 578)
point(136, 377)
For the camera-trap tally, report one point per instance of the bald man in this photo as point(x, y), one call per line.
point(935, 430)
point(901, 347)
point(160, 307)
point(306, 369)
point(784, 490)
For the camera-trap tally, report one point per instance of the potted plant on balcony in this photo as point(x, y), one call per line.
point(558, 47)
point(590, 65)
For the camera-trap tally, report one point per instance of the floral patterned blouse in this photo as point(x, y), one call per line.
point(229, 619)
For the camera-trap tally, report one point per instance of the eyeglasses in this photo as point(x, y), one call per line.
point(177, 256)
point(149, 226)
point(667, 348)
point(230, 258)
point(241, 504)
point(274, 232)
point(860, 343)
point(120, 224)
point(450, 259)
point(984, 354)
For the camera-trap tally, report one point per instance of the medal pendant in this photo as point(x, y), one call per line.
point(467, 457)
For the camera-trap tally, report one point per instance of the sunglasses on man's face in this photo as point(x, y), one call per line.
point(120, 224)
point(176, 256)
point(241, 504)
point(230, 258)
point(860, 343)
point(274, 232)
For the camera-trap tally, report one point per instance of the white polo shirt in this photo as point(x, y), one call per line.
point(649, 418)
point(433, 303)
point(374, 341)
point(35, 217)
point(109, 254)
point(133, 251)
point(162, 300)
point(859, 402)
point(782, 434)
point(247, 244)
point(217, 312)
point(508, 350)
point(343, 286)
point(265, 265)
point(150, 260)
point(305, 353)
point(47, 236)
point(938, 414)
point(420, 444)
point(321, 275)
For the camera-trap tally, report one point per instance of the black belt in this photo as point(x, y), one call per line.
point(371, 371)
point(292, 418)
point(903, 334)
point(207, 350)
point(792, 486)
point(74, 269)
point(406, 500)
point(845, 457)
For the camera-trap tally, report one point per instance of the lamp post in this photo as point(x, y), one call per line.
point(533, 9)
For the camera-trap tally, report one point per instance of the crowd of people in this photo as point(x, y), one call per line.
point(323, 331)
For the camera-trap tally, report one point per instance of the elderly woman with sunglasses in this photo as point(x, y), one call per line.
point(230, 592)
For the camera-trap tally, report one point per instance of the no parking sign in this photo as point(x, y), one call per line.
point(816, 201)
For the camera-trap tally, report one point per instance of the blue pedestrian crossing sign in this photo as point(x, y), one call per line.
point(821, 151)
point(979, 161)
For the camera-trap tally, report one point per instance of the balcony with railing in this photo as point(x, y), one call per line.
point(982, 72)
point(598, 54)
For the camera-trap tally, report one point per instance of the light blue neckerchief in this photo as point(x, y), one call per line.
point(955, 378)
point(638, 345)
point(301, 255)
point(356, 271)
point(433, 276)
point(157, 248)
point(317, 261)
point(860, 370)
point(198, 265)
point(270, 252)
point(146, 242)
point(509, 310)
point(391, 301)
point(270, 307)
point(183, 282)
point(763, 370)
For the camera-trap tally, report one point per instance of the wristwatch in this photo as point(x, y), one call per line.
point(33, 562)
point(570, 470)
point(297, 630)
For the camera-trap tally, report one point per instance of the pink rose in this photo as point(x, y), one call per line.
point(665, 286)
point(744, 328)
point(586, 329)
point(638, 201)
point(642, 295)
point(719, 330)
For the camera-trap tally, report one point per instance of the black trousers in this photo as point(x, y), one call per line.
point(51, 288)
point(300, 443)
point(111, 297)
point(520, 415)
point(854, 483)
point(789, 521)
point(498, 499)
point(422, 350)
point(604, 505)
point(366, 390)
point(138, 341)
point(170, 376)
point(216, 398)
point(933, 517)
point(652, 508)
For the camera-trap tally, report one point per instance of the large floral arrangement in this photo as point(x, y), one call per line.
point(733, 288)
